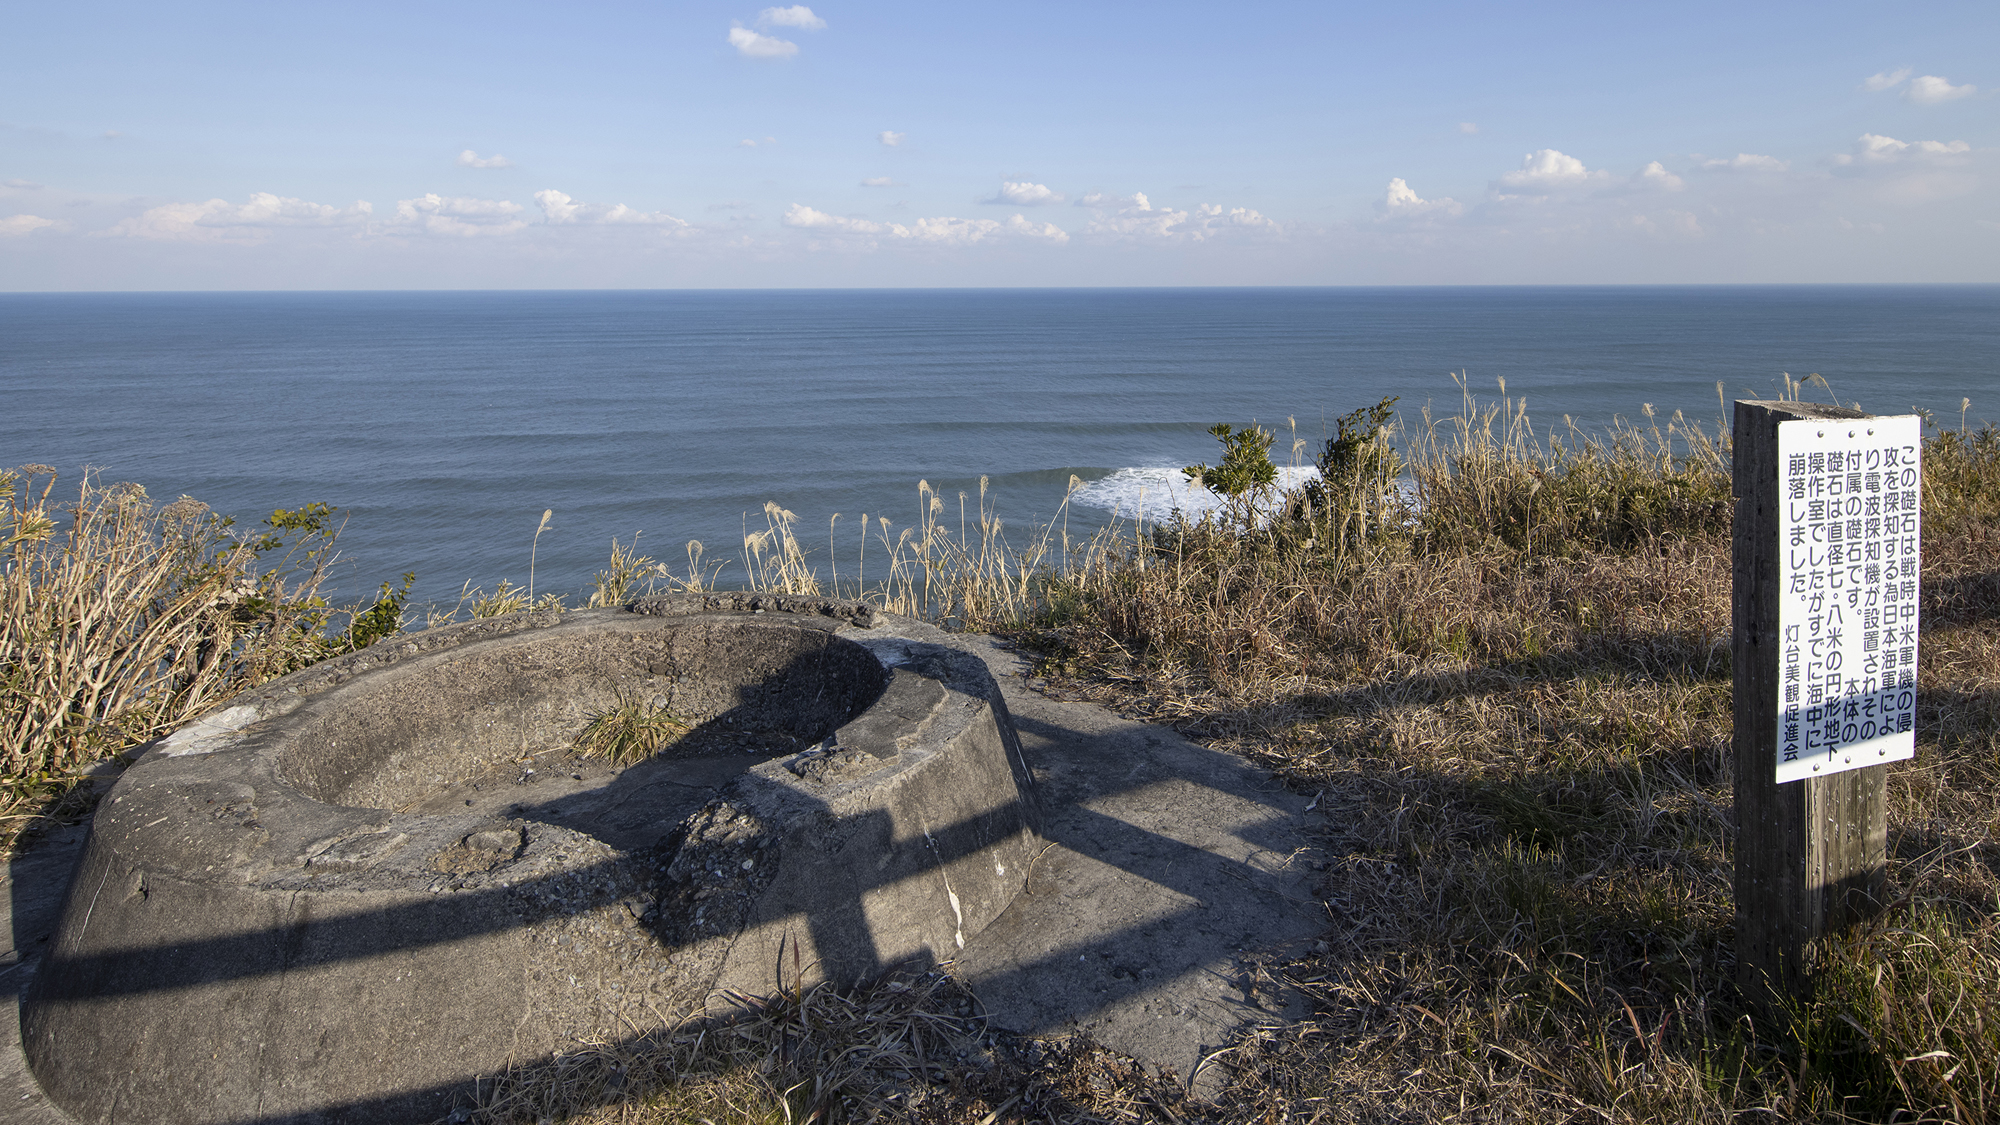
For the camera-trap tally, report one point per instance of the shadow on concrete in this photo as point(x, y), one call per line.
point(626, 807)
point(1168, 876)
point(36, 880)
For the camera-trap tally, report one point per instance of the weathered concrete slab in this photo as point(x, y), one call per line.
point(30, 901)
point(343, 898)
point(1169, 872)
point(1172, 873)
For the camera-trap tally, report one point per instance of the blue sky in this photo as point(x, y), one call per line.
point(238, 146)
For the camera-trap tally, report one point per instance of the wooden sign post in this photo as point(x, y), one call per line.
point(1824, 601)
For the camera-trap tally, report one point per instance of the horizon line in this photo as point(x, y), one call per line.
point(1405, 286)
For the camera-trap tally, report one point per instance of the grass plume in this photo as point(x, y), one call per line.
point(630, 732)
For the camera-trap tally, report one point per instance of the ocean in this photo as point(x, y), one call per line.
point(444, 424)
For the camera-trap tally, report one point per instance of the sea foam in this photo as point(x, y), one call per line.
point(1154, 493)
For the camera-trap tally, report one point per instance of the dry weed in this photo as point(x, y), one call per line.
point(120, 619)
point(1512, 696)
point(631, 731)
point(907, 1048)
point(1517, 707)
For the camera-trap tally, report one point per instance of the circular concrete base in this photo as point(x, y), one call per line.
point(357, 889)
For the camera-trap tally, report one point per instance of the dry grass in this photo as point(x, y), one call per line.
point(971, 578)
point(1517, 705)
point(1513, 696)
point(630, 732)
point(907, 1048)
point(120, 619)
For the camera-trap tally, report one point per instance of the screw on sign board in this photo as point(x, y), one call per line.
point(1849, 516)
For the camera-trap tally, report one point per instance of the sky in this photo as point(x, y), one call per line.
point(691, 145)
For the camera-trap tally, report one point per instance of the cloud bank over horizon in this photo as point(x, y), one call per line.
point(1186, 157)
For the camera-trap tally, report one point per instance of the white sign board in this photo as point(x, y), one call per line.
point(1850, 507)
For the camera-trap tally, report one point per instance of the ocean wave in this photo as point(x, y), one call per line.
point(1155, 492)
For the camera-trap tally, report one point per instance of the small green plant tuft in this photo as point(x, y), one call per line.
point(1356, 495)
point(1245, 475)
point(1359, 451)
point(630, 732)
point(384, 618)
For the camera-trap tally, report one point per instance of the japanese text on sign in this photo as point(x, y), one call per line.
point(1848, 495)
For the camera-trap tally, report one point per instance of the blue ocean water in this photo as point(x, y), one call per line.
point(445, 423)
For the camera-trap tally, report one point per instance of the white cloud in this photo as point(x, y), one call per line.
point(21, 185)
point(1136, 201)
point(1655, 175)
point(1745, 162)
point(14, 226)
point(890, 137)
point(1876, 83)
point(1133, 217)
point(799, 215)
point(1930, 90)
point(964, 232)
point(471, 159)
point(1547, 170)
point(559, 209)
point(879, 181)
point(1468, 127)
point(944, 231)
point(1402, 201)
point(459, 215)
point(1873, 148)
point(1212, 218)
point(798, 15)
point(1048, 232)
point(756, 46)
point(1024, 194)
point(1401, 194)
point(220, 220)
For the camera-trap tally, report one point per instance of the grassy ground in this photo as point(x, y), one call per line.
point(1513, 697)
point(1518, 708)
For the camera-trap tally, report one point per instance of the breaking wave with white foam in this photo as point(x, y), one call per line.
point(1154, 493)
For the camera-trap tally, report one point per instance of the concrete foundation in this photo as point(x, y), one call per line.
point(352, 891)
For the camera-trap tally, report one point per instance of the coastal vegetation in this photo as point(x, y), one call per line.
point(1495, 651)
point(121, 619)
point(1514, 694)
point(630, 732)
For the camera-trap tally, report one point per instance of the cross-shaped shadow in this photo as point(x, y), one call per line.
point(1167, 873)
